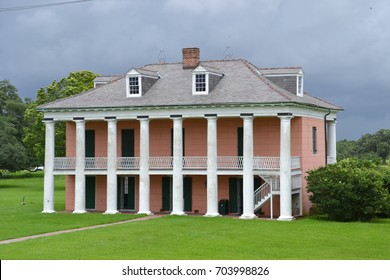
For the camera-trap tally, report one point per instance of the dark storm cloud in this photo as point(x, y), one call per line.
point(343, 46)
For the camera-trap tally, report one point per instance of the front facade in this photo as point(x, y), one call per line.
point(207, 137)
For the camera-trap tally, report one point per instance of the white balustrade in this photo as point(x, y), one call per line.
point(127, 162)
point(96, 163)
point(160, 162)
point(200, 162)
point(64, 163)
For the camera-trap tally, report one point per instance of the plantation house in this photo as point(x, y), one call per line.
point(208, 137)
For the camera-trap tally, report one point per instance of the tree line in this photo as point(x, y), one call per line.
point(370, 146)
point(22, 132)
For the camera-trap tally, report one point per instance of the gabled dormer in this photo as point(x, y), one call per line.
point(288, 78)
point(204, 79)
point(139, 81)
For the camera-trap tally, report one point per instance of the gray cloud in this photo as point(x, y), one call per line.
point(344, 46)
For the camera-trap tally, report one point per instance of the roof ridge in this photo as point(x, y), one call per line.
point(277, 68)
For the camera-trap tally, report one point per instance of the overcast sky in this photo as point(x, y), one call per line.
point(342, 45)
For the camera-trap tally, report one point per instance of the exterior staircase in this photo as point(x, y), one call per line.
point(263, 193)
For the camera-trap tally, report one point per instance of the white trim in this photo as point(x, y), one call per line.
point(300, 88)
point(194, 92)
point(139, 94)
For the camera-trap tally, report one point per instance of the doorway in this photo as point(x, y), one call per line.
point(126, 193)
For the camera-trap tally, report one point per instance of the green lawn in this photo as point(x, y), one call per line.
point(189, 237)
point(19, 219)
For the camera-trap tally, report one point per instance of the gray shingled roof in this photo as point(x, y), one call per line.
point(242, 83)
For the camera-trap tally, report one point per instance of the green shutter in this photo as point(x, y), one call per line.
point(131, 196)
point(240, 141)
point(90, 192)
point(233, 195)
point(127, 143)
point(166, 193)
point(90, 143)
point(187, 193)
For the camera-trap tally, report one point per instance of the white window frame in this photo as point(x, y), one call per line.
point(300, 85)
point(194, 91)
point(128, 94)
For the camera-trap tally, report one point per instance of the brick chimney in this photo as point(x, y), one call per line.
point(190, 58)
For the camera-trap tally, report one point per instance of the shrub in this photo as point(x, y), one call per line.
point(349, 190)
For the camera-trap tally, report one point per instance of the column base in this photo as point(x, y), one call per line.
point(111, 212)
point(178, 213)
point(48, 211)
point(212, 215)
point(248, 216)
point(79, 211)
point(145, 212)
point(286, 218)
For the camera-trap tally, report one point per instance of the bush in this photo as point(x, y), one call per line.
point(350, 190)
point(5, 174)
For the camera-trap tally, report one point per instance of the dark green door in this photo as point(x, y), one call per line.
point(90, 143)
point(187, 193)
point(235, 195)
point(166, 194)
point(127, 143)
point(126, 193)
point(90, 192)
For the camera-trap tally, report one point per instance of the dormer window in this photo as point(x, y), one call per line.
point(134, 85)
point(200, 83)
point(139, 81)
point(204, 79)
point(300, 85)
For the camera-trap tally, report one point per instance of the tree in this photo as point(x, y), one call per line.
point(34, 139)
point(13, 155)
point(349, 190)
point(369, 146)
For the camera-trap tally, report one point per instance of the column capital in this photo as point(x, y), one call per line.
point(210, 116)
point(285, 115)
point(246, 116)
point(176, 117)
point(110, 118)
point(48, 120)
point(79, 119)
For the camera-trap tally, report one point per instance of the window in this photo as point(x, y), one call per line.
point(134, 86)
point(200, 82)
point(300, 86)
point(314, 139)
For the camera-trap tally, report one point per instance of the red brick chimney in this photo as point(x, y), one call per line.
point(190, 58)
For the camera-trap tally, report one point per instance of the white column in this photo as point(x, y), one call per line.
point(212, 159)
point(112, 207)
point(285, 167)
point(177, 182)
point(79, 196)
point(48, 192)
point(248, 207)
point(332, 152)
point(144, 179)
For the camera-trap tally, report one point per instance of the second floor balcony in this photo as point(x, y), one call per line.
point(166, 163)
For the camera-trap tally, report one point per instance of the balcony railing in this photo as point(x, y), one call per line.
point(133, 163)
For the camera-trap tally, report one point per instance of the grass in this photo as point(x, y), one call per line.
point(18, 219)
point(187, 238)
